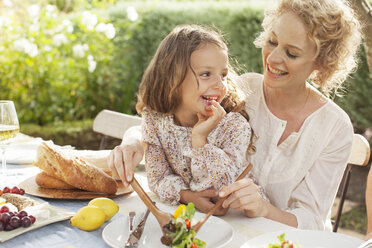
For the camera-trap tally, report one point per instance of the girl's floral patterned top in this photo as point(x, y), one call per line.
point(173, 165)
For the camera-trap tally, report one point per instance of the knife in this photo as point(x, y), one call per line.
point(136, 234)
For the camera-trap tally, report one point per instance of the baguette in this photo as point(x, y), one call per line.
point(45, 181)
point(73, 170)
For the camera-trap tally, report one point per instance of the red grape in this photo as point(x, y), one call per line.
point(6, 190)
point(22, 214)
point(4, 209)
point(5, 217)
point(15, 221)
point(26, 221)
point(8, 227)
point(2, 226)
point(15, 190)
point(33, 219)
point(21, 191)
point(12, 214)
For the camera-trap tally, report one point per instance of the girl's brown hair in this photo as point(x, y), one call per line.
point(160, 86)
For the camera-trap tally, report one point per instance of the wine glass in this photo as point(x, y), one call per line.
point(9, 128)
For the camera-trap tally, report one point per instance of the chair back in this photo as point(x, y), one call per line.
point(360, 153)
point(113, 124)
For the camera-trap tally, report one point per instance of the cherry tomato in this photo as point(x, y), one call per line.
point(188, 223)
point(6, 190)
point(194, 245)
point(4, 209)
point(15, 190)
point(287, 244)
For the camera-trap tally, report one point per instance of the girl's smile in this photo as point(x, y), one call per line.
point(205, 82)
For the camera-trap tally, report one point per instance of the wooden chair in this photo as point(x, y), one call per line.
point(113, 124)
point(360, 153)
point(369, 204)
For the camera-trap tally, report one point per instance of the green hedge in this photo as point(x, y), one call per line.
point(114, 83)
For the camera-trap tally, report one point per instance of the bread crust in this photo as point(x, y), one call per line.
point(73, 170)
point(44, 180)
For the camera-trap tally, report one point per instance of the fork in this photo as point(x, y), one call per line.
point(131, 218)
point(136, 234)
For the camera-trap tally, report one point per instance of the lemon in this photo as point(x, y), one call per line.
point(88, 218)
point(179, 210)
point(108, 206)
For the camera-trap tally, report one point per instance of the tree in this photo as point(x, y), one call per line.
point(364, 14)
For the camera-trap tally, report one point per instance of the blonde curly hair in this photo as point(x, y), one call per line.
point(332, 25)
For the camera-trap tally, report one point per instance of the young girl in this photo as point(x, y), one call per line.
point(195, 138)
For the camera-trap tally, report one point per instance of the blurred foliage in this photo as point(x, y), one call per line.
point(56, 85)
point(357, 101)
point(78, 134)
point(355, 219)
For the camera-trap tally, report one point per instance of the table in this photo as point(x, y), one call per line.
point(62, 234)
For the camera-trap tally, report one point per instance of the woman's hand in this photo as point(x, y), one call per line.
point(244, 195)
point(203, 200)
point(206, 124)
point(124, 158)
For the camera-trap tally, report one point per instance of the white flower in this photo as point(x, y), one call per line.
point(47, 48)
point(50, 9)
point(33, 51)
point(21, 44)
point(59, 39)
point(78, 50)
point(24, 45)
point(35, 27)
point(132, 13)
point(91, 63)
point(8, 3)
point(101, 27)
point(89, 20)
point(68, 25)
point(108, 29)
point(33, 10)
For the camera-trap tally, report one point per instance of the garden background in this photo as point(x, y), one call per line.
point(63, 61)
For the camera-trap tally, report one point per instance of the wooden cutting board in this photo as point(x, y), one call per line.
point(31, 188)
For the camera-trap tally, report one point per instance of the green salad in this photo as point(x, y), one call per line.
point(284, 243)
point(178, 233)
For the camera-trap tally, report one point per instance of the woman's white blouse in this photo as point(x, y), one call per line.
point(303, 173)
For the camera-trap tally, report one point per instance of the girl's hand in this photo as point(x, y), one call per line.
point(123, 160)
point(206, 124)
point(244, 195)
point(202, 200)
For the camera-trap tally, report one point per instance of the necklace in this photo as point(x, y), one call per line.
point(297, 111)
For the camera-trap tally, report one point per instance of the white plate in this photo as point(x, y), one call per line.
point(306, 238)
point(55, 214)
point(22, 153)
point(215, 232)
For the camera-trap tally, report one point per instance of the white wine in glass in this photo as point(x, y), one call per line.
point(9, 128)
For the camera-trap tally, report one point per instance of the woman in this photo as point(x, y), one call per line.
point(304, 139)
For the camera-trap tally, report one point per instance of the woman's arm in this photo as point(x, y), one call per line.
point(244, 195)
point(125, 157)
